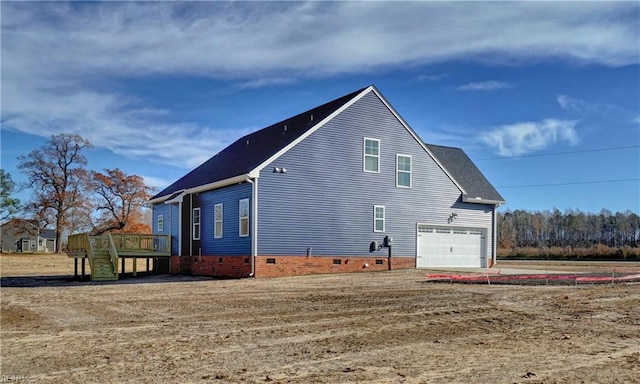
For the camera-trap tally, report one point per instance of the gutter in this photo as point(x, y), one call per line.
point(202, 188)
point(480, 200)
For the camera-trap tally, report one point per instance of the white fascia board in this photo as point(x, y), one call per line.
point(417, 138)
point(201, 188)
point(218, 184)
point(177, 199)
point(480, 200)
point(256, 171)
point(159, 199)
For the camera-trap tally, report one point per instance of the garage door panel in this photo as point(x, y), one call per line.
point(449, 247)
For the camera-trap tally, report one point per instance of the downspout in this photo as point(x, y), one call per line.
point(191, 224)
point(494, 237)
point(254, 224)
point(180, 228)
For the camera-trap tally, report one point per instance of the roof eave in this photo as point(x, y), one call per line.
point(201, 188)
point(480, 200)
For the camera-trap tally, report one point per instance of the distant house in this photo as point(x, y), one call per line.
point(311, 193)
point(20, 235)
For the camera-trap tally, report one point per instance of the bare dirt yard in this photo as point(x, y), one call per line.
point(385, 327)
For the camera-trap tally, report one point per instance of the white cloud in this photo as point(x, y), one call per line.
point(56, 55)
point(574, 104)
point(525, 137)
point(569, 103)
point(431, 78)
point(157, 182)
point(490, 85)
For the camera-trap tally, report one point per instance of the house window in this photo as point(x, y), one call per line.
point(196, 223)
point(217, 218)
point(371, 155)
point(403, 174)
point(160, 224)
point(244, 217)
point(378, 218)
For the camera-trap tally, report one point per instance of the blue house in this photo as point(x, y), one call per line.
point(311, 193)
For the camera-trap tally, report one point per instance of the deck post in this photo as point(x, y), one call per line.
point(135, 267)
point(83, 259)
point(75, 268)
point(147, 264)
point(122, 271)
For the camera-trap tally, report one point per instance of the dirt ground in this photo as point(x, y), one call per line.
point(385, 327)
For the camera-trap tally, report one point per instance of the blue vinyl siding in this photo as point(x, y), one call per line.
point(170, 214)
point(161, 209)
point(325, 200)
point(231, 243)
point(175, 228)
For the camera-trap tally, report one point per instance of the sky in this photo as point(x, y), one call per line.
point(543, 96)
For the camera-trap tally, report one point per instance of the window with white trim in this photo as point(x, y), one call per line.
point(160, 223)
point(217, 221)
point(244, 217)
point(196, 223)
point(403, 171)
point(371, 153)
point(378, 218)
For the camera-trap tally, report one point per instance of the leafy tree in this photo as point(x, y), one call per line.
point(58, 178)
point(572, 229)
point(9, 206)
point(120, 198)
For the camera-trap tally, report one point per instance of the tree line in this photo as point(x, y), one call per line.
point(69, 197)
point(573, 228)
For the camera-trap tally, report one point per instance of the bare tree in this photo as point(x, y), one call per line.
point(57, 176)
point(120, 199)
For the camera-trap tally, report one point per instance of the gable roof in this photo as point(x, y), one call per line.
point(476, 186)
point(247, 156)
point(252, 150)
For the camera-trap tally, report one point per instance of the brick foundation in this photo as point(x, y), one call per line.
point(214, 266)
point(276, 266)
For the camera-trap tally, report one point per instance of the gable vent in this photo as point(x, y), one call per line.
point(312, 117)
point(284, 130)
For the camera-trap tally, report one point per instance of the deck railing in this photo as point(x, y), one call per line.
point(123, 242)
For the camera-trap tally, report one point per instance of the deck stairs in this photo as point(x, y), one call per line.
point(103, 258)
point(102, 268)
point(104, 251)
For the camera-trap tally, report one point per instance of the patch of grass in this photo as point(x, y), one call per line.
point(598, 252)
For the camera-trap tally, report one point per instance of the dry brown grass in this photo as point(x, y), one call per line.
point(384, 327)
point(16, 264)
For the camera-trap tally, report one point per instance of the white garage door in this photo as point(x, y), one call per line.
point(450, 247)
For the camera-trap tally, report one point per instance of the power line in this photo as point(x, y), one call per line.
point(560, 153)
point(574, 183)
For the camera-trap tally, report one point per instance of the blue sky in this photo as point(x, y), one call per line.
point(544, 97)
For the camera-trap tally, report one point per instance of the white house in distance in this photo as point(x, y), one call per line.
point(20, 235)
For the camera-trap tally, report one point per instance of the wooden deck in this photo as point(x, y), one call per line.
point(103, 252)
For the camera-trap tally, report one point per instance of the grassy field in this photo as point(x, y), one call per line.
point(384, 327)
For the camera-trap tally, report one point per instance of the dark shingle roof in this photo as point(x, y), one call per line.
point(465, 172)
point(250, 151)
